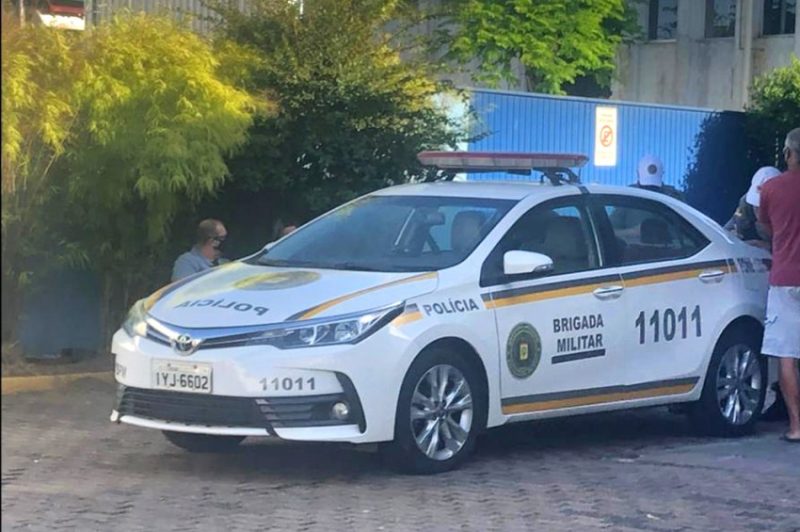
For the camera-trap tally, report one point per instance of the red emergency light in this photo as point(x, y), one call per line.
point(73, 8)
point(477, 161)
point(556, 167)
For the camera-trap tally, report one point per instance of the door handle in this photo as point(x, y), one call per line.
point(711, 276)
point(608, 292)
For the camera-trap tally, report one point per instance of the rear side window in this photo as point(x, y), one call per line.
point(646, 231)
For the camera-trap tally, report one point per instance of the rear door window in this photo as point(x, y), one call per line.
point(640, 230)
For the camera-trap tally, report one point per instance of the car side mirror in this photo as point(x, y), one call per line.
point(521, 262)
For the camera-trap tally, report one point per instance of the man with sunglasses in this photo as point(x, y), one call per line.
point(205, 254)
point(779, 214)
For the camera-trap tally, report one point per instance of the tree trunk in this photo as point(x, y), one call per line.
point(106, 320)
point(11, 307)
point(11, 285)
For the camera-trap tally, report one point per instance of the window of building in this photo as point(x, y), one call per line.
point(779, 16)
point(720, 18)
point(663, 20)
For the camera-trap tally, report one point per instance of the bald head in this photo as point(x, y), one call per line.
point(207, 230)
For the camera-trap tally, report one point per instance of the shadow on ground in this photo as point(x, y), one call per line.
point(621, 435)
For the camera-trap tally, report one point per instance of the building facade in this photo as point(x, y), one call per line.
point(196, 14)
point(706, 53)
point(697, 53)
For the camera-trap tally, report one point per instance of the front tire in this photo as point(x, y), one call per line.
point(203, 443)
point(734, 389)
point(440, 411)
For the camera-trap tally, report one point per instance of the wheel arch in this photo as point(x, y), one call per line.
point(403, 452)
point(700, 411)
point(470, 355)
point(744, 322)
point(747, 323)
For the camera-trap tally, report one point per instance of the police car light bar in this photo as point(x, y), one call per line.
point(473, 161)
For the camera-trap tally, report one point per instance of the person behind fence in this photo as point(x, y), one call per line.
point(744, 222)
point(206, 252)
point(779, 213)
point(288, 229)
point(650, 176)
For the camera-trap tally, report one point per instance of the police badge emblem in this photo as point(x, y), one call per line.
point(523, 350)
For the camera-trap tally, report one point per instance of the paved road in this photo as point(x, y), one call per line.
point(65, 467)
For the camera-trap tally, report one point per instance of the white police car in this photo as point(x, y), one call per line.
point(422, 314)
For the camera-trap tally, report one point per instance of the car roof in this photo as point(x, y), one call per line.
point(469, 189)
point(512, 190)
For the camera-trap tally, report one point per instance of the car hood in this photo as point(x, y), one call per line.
point(241, 294)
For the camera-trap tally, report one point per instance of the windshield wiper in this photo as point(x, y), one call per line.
point(265, 261)
point(284, 263)
point(354, 266)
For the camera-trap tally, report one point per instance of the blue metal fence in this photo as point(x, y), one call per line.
point(62, 312)
point(534, 122)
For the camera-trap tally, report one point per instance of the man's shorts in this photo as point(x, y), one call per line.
point(782, 326)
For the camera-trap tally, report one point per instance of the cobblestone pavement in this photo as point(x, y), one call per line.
point(65, 467)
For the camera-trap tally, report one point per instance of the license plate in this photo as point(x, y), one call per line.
point(182, 376)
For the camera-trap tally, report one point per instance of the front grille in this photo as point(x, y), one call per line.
point(226, 411)
point(157, 336)
point(190, 408)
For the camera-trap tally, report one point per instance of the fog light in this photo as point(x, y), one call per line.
point(340, 411)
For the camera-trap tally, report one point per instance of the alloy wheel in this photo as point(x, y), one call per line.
point(441, 412)
point(739, 384)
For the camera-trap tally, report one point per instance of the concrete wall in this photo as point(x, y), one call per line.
point(697, 71)
point(771, 51)
point(199, 17)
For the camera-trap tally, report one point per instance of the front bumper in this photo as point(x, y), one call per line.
point(255, 415)
point(363, 376)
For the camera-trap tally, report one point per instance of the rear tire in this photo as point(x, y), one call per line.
point(203, 443)
point(441, 409)
point(734, 388)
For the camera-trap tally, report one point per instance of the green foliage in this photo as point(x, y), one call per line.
point(36, 102)
point(39, 114)
point(730, 147)
point(352, 116)
point(160, 115)
point(156, 121)
point(722, 165)
point(557, 41)
point(774, 111)
point(136, 118)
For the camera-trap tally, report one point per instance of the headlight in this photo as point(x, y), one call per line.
point(135, 324)
point(348, 329)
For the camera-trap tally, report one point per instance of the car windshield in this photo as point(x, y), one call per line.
point(391, 234)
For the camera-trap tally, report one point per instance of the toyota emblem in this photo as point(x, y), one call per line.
point(184, 345)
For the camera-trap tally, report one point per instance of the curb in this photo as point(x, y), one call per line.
point(12, 385)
